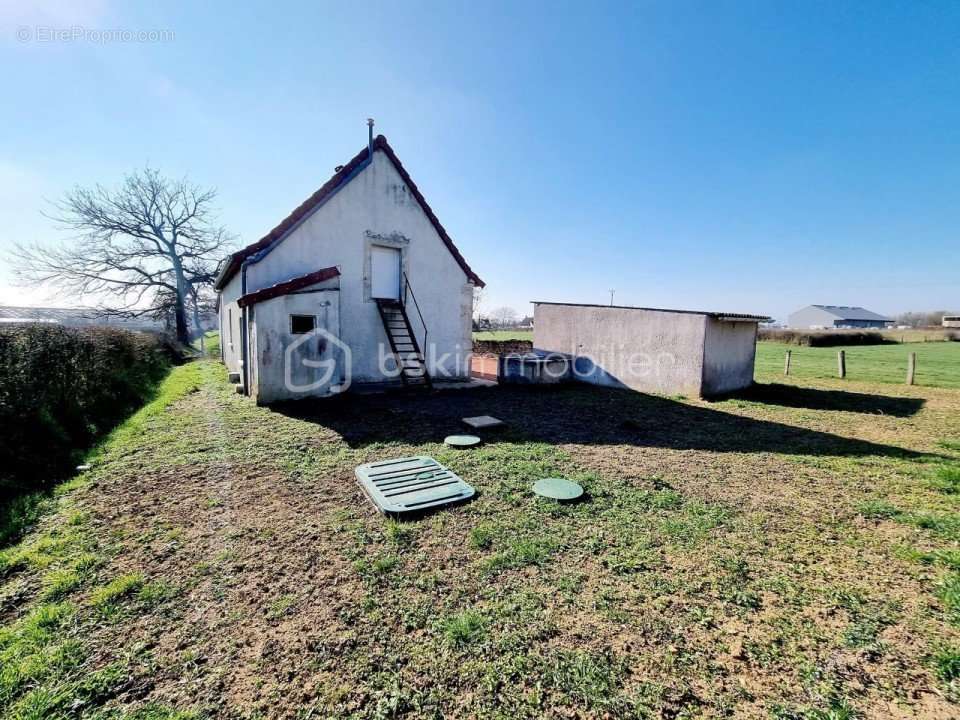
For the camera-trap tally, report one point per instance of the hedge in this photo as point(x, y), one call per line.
point(824, 338)
point(502, 347)
point(62, 388)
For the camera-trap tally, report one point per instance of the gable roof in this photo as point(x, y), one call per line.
point(340, 178)
point(846, 312)
point(288, 286)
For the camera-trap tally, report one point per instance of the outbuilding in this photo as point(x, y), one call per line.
point(669, 352)
point(360, 285)
point(826, 317)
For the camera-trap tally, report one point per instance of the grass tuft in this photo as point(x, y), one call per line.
point(946, 479)
point(400, 533)
point(464, 628)
point(280, 607)
point(116, 590)
point(481, 537)
point(591, 679)
point(949, 593)
point(520, 553)
point(946, 663)
point(59, 583)
point(878, 510)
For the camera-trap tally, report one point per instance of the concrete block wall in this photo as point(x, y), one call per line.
point(666, 352)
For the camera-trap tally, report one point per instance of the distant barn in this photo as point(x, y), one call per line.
point(818, 317)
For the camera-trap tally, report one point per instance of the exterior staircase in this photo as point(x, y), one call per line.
point(403, 343)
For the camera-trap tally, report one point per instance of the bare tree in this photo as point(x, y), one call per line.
point(504, 316)
point(151, 243)
point(933, 318)
point(478, 296)
point(201, 302)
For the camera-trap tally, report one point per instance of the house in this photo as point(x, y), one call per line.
point(819, 317)
point(360, 285)
point(651, 350)
point(951, 321)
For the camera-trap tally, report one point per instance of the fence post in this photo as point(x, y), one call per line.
point(842, 364)
point(786, 364)
point(911, 368)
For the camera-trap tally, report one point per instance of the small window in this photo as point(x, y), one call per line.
point(302, 324)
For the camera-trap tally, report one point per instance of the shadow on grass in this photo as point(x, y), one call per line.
point(813, 399)
point(572, 414)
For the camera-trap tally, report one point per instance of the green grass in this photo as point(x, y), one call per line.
point(878, 510)
point(211, 344)
point(49, 667)
point(949, 593)
point(501, 335)
point(19, 513)
point(281, 606)
point(725, 556)
point(946, 479)
point(116, 589)
point(464, 628)
point(946, 663)
point(938, 363)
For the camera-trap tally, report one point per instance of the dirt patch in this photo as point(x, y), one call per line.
point(720, 564)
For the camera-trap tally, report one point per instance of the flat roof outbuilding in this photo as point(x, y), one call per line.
point(654, 350)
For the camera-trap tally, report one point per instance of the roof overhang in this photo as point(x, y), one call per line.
point(288, 286)
point(724, 316)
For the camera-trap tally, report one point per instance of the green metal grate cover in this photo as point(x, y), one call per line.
point(411, 484)
point(557, 489)
point(461, 441)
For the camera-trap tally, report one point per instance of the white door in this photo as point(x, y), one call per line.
point(385, 269)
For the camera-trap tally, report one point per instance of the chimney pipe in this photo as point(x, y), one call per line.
point(370, 136)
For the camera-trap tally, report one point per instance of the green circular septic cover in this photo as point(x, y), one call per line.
point(557, 489)
point(462, 441)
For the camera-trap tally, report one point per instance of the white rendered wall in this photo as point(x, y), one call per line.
point(374, 208)
point(647, 350)
point(280, 375)
point(729, 353)
point(230, 321)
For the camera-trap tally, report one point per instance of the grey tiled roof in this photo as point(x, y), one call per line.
point(845, 312)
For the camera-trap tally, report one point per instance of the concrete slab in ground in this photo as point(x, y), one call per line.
point(471, 384)
point(483, 422)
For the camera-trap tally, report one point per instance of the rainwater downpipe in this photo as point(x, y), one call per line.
point(244, 352)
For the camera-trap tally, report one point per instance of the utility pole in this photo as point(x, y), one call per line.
point(611, 297)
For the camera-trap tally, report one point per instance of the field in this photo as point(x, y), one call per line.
point(916, 335)
point(791, 553)
point(503, 335)
point(938, 363)
point(931, 335)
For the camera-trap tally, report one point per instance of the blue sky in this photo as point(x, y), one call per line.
point(734, 156)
